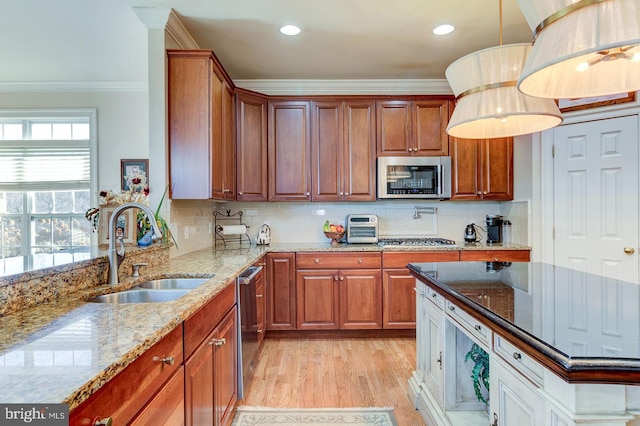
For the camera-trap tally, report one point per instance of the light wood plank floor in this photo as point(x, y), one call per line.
point(336, 372)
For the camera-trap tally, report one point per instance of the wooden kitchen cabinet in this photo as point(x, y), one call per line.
point(289, 147)
point(495, 255)
point(399, 297)
point(211, 376)
point(413, 127)
point(167, 406)
point(281, 291)
point(201, 127)
point(343, 150)
point(481, 169)
point(129, 393)
point(261, 297)
point(251, 166)
point(338, 291)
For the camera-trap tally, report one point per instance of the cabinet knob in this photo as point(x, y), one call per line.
point(629, 250)
point(240, 193)
point(479, 192)
point(308, 193)
point(335, 278)
point(517, 356)
point(316, 260)
point(342, 193)
point(218, 342)
point(434, 294)
point(260, 331)
point(410, 149)
point(484, 192)
point(104, 422)
point(452, 308)
point(359, 260)
point(169, 360)
point(495, 259)
point(477, 327)
point(346, 193)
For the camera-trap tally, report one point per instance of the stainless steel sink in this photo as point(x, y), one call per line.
point(174, 283)
point(140, 296)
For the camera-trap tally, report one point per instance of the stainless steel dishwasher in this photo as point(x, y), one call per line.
point(248, 330)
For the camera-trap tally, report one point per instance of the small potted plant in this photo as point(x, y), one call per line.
point(480, 372)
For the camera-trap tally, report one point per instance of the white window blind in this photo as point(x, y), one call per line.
point(44, 165)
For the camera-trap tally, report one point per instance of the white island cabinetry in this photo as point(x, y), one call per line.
point(523, 391)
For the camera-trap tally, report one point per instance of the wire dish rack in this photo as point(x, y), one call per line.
point(221, 219)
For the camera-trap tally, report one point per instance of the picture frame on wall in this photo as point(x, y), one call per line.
point(567, 105)
point(125, 226)
point(133, 167)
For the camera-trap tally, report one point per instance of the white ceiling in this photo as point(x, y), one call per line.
point(103, 40)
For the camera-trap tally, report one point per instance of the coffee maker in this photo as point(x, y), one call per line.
point(494, 228)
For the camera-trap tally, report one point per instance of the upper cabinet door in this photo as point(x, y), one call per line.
point(430, 127)
point(289, 151)
point(201, 127)
point(497, 169)
point(190, 95)
point(481, 169)
point(394, 127)
point(326, 145)
point(359, 151)
point(343, 150)
point(252, 174)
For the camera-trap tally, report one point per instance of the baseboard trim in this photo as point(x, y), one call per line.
point(337, 334)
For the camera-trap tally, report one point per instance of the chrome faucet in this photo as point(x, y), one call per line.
point(116, 256)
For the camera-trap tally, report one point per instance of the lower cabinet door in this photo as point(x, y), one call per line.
point(513, 401)
point(198, 389)
point(399, 307)
point(225, 361)
point(317, 299)
point(360, 299)
point(167, 407)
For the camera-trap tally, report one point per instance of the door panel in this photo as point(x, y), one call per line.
point(596, 197)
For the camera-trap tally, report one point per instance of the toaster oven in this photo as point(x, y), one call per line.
point(362, 228)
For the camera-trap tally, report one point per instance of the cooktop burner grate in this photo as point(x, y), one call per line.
point(415, 242)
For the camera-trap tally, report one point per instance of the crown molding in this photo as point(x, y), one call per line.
point(73, 86)
point(346, 87)
point(165, 18)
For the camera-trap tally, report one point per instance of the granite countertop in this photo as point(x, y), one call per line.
point(64, 350)
point(551, 309)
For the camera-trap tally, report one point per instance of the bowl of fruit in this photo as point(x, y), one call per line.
point(335, 232)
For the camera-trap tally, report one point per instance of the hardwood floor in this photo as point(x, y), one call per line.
point(336, 372)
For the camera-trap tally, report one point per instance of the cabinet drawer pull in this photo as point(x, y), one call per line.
point(517, 356)
point(418, 291)
point(103, 422)
point(434, 294)
point(341, 278)
point(452, 308)
point(169, 360)
point(439, 360)
point(316, 260)
point(240, 193)
point(218, 342)
point(477, 327)
point(260, 331)
point(495, 420)
point(258, 295)
point(359, 260)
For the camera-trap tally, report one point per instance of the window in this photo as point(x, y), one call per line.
point(45, 185)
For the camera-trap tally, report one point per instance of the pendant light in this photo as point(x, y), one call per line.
point(582, 48)
point(488, 103)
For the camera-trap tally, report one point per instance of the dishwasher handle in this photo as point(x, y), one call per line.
point(249, 274)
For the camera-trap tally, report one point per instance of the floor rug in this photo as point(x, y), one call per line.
point(266, 416)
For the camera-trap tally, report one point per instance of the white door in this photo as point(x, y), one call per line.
point(596, 197)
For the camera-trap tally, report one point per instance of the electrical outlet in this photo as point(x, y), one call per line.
point(186, 232)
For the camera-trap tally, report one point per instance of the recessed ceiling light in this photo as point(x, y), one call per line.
point(443, 29)
point(290, 30)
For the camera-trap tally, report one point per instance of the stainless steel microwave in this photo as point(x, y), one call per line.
point(414, 177)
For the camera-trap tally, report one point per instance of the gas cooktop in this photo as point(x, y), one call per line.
point(409, 241)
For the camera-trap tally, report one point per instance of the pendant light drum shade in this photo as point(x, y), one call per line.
point(591, 49)
point(489, 104)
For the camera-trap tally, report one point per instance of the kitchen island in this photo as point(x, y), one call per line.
point(563, 346)
point(56, 347)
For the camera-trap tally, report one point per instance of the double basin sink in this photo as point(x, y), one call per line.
point(155, 291)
